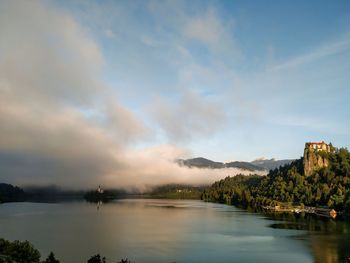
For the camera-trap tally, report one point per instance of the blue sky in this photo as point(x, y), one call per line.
point(276, 72)
point(87, 87)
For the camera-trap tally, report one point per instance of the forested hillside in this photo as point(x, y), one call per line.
point(328, 186)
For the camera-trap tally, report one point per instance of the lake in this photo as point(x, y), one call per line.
point(156, 230)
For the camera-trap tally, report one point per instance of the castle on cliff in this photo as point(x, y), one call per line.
point(318, 146)
point(313, 160)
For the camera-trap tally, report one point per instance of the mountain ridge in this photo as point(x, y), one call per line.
point(256, 165)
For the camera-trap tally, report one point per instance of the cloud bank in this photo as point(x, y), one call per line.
point(62, 124)
point(111, 92)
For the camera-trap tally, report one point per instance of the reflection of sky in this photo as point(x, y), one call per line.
point(153, 231)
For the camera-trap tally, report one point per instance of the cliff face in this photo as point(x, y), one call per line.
point(314, 159)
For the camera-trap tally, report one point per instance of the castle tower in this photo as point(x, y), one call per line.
point(313, 159)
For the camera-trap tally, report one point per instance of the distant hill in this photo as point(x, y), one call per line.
point(256, 165)
point(270, 164)
point(244, 165)
point(201, 162)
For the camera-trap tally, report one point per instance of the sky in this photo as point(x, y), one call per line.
point(114, 91)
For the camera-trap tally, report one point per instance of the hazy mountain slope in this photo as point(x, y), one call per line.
point(244, 165)
point(201, 162)
point(270, 164)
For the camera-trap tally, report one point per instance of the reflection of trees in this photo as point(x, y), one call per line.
point(330, 248)
point(329, 239)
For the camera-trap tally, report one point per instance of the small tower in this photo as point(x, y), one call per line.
point(100, 190)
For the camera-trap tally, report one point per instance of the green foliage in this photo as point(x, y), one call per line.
point(328, 186)
point(177, 191)
point(17, 251)
point(233, 190)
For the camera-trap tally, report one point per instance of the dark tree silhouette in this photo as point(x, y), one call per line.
point(51, 259)
point(97, 259)
point(20, 252)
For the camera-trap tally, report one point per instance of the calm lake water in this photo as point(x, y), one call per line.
point(152, 230)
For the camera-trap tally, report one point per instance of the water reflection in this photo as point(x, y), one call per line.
point(329, 239)
point(173, 230)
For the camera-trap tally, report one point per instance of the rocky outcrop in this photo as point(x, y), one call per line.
point(315, 157)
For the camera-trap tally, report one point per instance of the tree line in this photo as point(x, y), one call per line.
point(177, 191)
point(10, 193)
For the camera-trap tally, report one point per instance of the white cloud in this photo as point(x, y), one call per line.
point(60, 122)
point(189, 117)
point(50, 68)
point(109, 33)
point(210, 30)
point(47, 56)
